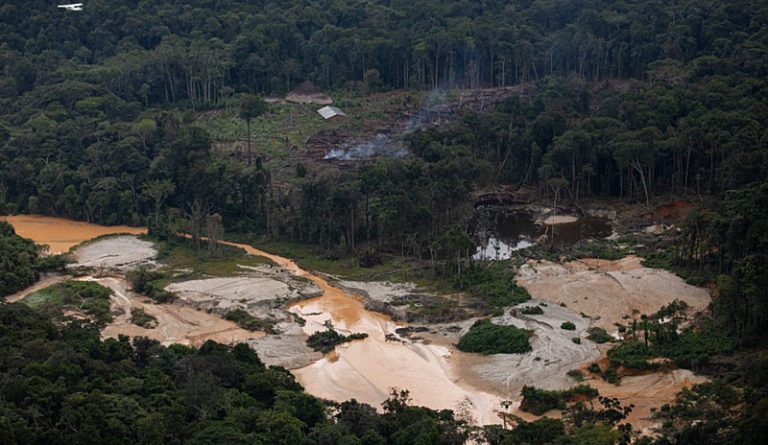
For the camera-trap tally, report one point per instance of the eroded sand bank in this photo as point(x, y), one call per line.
point(61, 234)
point(121, 253)
point(175, 323)
point(608, 291)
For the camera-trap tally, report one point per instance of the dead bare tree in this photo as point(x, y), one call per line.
point(196, 215)
point(214, 230)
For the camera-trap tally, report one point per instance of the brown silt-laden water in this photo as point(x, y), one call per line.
point(61, 234)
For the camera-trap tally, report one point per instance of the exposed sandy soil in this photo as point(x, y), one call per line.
point(287, 349)
point(61, 234)
point(560, 219)
point(121, 253)
point(367, 369)
point(646, 392)
point(380, 290)
point(606, 290)
point(252, 291)
point(175, 323)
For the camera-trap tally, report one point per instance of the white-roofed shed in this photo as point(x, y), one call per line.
point(330, 112)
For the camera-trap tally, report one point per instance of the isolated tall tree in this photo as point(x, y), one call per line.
point(251, 107)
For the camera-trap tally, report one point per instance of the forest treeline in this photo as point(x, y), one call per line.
point(200, 51)
point(61, 384)
point(629, 99)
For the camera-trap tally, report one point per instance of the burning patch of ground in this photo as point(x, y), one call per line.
point(121, 253)
point(609, 292)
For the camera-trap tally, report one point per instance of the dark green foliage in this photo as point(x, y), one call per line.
point(576, 340)
point(90, 298)
point(325, 341)
point(532, 310)
point(487, 338)
point(594, 368)
point(568, 326)
point(599, 335)
point(539, 432)
point(143, 281)
point(493, 285)
point(248, 321)
point(139, 317)
point(114, 392)
point(694, 347)
point(612, 376)
point(18, 260)
point(632, 355)
point(538, 401)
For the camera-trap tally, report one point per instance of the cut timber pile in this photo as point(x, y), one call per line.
point(503, 195)
point(478, 100)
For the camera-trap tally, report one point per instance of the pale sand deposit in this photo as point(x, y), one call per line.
point(608, 291)
point(175, 323)
point(366, 370)
point(646, 392)
point(560, 219)
point(121, 253)
point(554, 353)
point(61, 234)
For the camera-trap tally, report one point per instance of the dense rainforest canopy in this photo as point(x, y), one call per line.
point(98, 121)
point(627, 99)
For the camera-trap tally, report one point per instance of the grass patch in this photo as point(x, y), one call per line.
point(539, 401)
point(325, 341)
point(288, 126)
point(181, 255)
point(486, 338)
point(140, 318)
point(249, 322)
point(87, 297)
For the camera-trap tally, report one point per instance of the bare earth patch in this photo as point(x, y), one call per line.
point(554, 353)
point(608, 291)
point(175, 323)
point(122, 253)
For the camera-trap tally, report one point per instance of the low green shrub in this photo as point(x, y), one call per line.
point(532, 310)
point(599, 335)
point(139, 317)
point(612, 376)
point(568, 326)
point(249, 322)
point(539, 401)
point(632, 355)
point(325, 341)
point(485, 337)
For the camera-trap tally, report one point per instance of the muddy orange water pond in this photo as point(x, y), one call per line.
point(61, 234)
